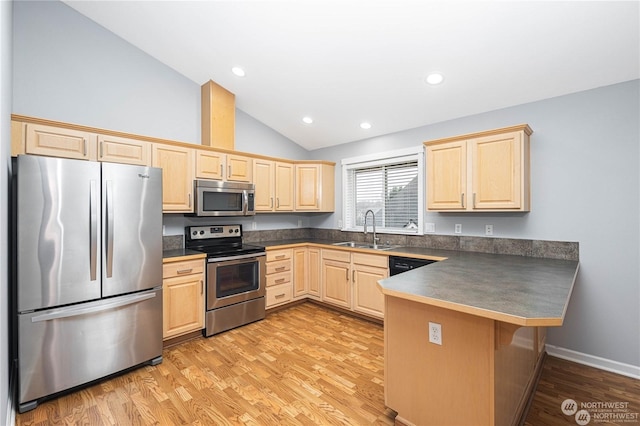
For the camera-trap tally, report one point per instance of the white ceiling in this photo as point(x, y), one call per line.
point(347, 61)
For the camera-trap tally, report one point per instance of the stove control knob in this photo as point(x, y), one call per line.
point(231, 231)
point(201, 232)
point(237, 230)
point(195, 232)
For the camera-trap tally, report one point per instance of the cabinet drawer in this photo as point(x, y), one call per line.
point(273, 255)
point(281, 278)
point(278, 294)
point(341, 256)
point(370, 260)
point(175, 269)
point(280, 266)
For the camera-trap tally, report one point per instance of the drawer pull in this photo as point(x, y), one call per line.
point(184, 271)
point(281, 280)
point(279, 296)
point(281, 256)
point(281, 268)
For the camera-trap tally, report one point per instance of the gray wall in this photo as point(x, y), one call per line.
point(585, 185)
point(5, 167)
point(585, 158)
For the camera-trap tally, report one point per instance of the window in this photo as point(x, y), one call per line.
point(390, 185)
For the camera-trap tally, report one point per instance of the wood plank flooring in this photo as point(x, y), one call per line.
point(301, 366)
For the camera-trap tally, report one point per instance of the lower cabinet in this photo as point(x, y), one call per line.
point(279, 277)
point(349, 280)
point(183, 297)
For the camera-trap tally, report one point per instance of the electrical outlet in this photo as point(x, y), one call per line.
point(299, 223)
point(254, 225)
point(430, 227)
point(340, 223)
point(435, 333)
point(488, 230)
point(458, 228)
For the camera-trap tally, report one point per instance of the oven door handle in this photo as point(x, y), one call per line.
point(238, 257)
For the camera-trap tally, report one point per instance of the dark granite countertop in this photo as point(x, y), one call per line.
point(170, 255)
point(526, 291)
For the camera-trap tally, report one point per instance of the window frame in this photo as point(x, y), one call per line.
point(379, 159)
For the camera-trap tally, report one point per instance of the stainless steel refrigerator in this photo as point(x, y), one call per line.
point(88, 282)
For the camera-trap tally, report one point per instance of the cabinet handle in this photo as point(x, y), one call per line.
point(347, 271)
point(229, 171)
point(271, 202)
point(474, 200)
point(462, 199)
point(280, 280)
point(189, 200)
point(277, 202)
point(353, 276)
point(84, 146)
point(101, 149)
point(184, 271)
point(281, 268)
point(201, 286)
point(280, 256)
point(279, 296)
point(221, 170)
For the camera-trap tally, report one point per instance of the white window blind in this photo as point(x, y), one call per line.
point(388, 187)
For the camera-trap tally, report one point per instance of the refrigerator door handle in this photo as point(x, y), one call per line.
point(74, 311)
point(109, 225)
point(93, 233)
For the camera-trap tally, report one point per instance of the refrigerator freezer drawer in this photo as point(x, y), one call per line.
point(70, 346)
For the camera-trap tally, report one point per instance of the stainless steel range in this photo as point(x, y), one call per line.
point(236, 276)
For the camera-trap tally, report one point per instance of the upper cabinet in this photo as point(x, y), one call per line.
point(487, 171)
point(273, 182)
point(177, 176)
point(59, 142)
point(115, 149)
point(220, 166)
point(314, 183)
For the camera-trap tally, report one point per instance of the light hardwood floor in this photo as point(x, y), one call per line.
point(303, 365)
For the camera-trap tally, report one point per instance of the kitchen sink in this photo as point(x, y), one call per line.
point(355, 244)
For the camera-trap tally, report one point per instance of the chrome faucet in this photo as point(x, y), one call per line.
point(375, 239)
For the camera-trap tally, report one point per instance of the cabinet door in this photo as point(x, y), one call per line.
point(263, 173)
point(284, 186)
point(183, 299)
point(239, 168)
point(114, 149)
point(336, 282)
point(313, 275)
point(58, 142)
point(447, 176)
point(367, 297)
point(307, 182)
point(177, 176)
point(209, 165)
point(300, 271)
point(496, 167)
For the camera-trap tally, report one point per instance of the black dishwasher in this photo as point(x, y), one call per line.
point(398, 265)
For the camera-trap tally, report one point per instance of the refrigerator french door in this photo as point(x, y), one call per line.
point(88, 272)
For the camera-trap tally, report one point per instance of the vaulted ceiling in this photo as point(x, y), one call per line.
point(344, 62)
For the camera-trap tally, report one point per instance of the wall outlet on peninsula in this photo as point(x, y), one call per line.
point(435, 333)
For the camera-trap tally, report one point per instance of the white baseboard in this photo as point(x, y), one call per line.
point(621, 368)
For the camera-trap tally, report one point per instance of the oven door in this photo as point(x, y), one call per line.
point(235, 280)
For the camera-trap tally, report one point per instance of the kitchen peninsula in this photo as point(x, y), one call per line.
point(492, 310)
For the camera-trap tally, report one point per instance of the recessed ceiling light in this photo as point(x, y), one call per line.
point(238, 71)
point(365, 125)
point(434, 78)
point(307, 120)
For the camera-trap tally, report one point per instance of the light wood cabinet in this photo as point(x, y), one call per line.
point(115, 149)
point(183, 297)
point(313, 276)
point(279, 275)
point(177, 176)
point(220, 166)
point(314, 187)
point(300, 272)
point(218, 116)
point(487, 171)
point(283, 186)
point(350, 280)
point(273, 185)
point(59, 142)
point(367, 271)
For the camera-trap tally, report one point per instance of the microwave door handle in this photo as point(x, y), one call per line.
point(245, 202)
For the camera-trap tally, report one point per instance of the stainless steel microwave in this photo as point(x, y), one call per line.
point(217, 198)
